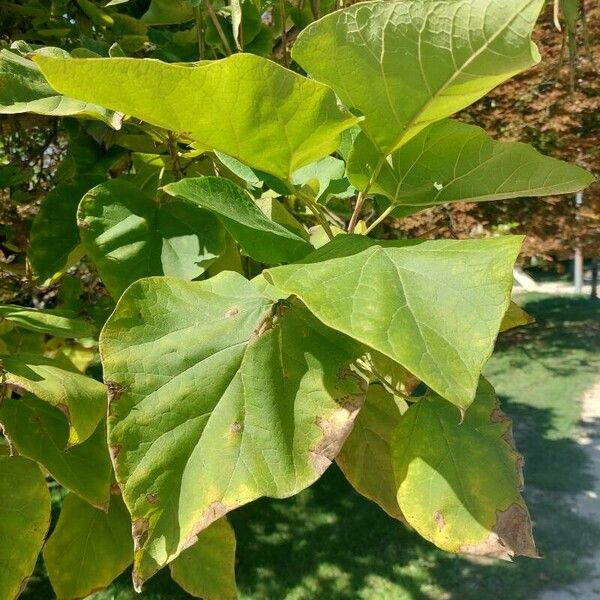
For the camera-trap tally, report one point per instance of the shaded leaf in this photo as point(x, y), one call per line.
point(435, 307)
point(129, 235)
point(40, 432)
point(81, 399)
point(24, 520)
point(61, 323)
point(88, 548)
point(460, 480)
point(207, 569)
point(240, 398)
point(54, 237)
point(263, 239)
point(366, 456)
point(250, 97)
point(403, 65)
point(455, 162)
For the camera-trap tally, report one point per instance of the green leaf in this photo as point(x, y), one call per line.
point(24, 520)
point(264, 240)
point(218, 396)
point(366, 456)
point(54, 237)
point(168, 12)
point(23, 88)
point(252, 99)
point(40, 432)
point(459, 480)
point(403, 65)
point(129, 235)
point(515, 316)
point(88, 548)
point(81, 399)
point(455, 162)
point(435, 307)
point(321, 176)
point(60, 323)
point(207, 569)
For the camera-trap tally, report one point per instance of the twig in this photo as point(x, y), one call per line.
point(215, 21)
point(200, 29)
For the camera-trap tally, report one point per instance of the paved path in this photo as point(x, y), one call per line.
point(587, 504)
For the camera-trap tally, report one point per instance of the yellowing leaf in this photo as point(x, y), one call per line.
point(459, 480)
point(252, 99)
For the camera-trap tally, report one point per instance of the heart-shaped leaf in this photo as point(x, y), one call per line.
point(403, 65)
point(435, 307)
point(130, 235)
point(219, 395)
point(460, 479)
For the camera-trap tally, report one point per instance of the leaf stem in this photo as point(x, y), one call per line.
point(172, 144)
point(200, 28)
point(380, 218)
point(316, 210)
point(283, 32)
point(215, 21)
point(362, 196)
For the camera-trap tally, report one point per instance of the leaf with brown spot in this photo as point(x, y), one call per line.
point(459, 482)
point(207, 421)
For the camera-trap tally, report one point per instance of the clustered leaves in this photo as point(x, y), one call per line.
point(259, 330)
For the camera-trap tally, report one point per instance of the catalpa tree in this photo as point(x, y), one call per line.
point(258, 331)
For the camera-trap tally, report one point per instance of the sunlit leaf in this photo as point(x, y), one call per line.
point(129, 235)
point(435, 307)
point(218, 396)
point(252, 99)
point(403, 65)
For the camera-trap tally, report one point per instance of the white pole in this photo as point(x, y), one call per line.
point(578, 259)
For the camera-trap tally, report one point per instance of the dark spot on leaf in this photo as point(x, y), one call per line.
point(231, 312)
point(214, 511)
point(115, 489)
point(82, 224)
point(511, 536)
point(114, 450)
point(34, 419)
point(439, 519)
point(139, 530)
point(236, 427)
point(115, 391)
point(152, 498)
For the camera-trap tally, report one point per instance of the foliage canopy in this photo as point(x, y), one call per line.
point(250, 327)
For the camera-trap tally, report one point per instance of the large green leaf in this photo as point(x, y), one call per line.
point(54, 239)
point(253, 100)
point(459, 480)
point(81, 399)
point(130, 235)
point(40, 432)
point(218, 396)
point(454, 162)
point(366, 457)
point(60, 323)
point(88, 548)
point(24, 89)
point(403, 65)
point(435, 307)
point(263, 239)
point(24, 520)
point(207, 569)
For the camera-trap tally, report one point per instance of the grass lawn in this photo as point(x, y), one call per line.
point(329, 543)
